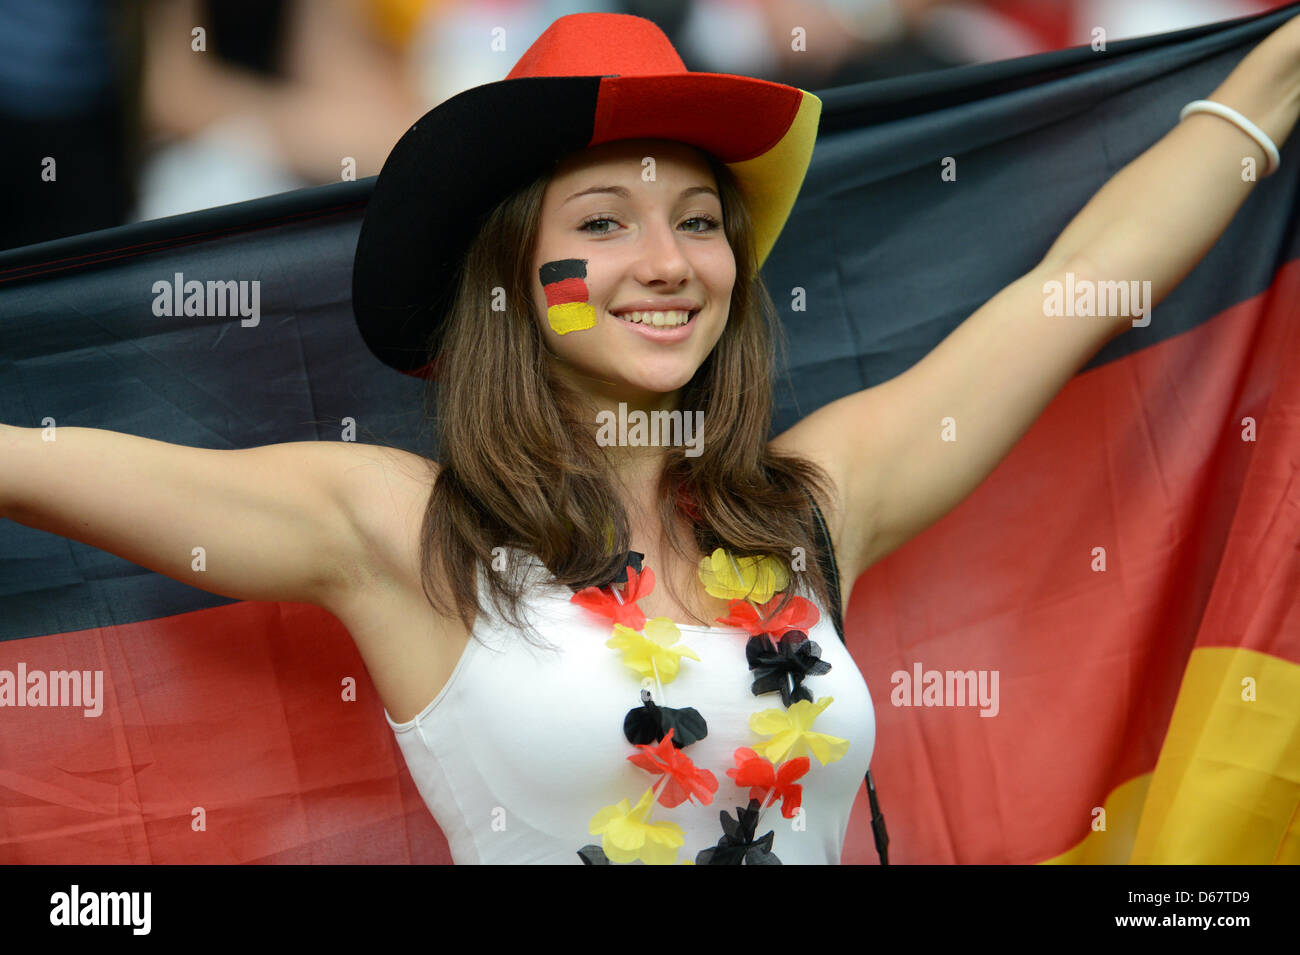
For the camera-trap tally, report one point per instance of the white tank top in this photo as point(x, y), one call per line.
point(524, 745)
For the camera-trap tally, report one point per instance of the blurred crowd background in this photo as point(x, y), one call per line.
point(140, 124)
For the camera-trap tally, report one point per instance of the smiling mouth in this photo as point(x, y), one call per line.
point(672, 318)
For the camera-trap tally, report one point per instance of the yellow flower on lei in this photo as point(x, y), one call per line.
point(659, 644)
point(759, 578)
point(793, 733)
point(626, 836)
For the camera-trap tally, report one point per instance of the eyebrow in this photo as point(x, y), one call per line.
point(625, 194)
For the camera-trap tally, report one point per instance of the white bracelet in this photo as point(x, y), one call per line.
point(1249, 128)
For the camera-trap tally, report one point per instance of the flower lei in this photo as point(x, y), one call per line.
point(781, 656)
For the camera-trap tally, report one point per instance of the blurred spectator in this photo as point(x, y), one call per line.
point(67, 120)
point(853, 41)
point(109, 114)
point(285, 91)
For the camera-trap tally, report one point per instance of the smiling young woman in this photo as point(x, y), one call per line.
point(532, 342)
point(611, 274)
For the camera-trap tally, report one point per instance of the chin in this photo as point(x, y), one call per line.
point(654, 371)
point(658, 380)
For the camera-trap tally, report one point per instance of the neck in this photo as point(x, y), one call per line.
point(635, 468)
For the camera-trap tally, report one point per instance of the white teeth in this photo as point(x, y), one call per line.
point(666, 319)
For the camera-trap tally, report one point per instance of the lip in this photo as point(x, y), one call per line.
point(663, 336)
point(659, 305)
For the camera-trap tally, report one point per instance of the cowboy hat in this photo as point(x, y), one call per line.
point(590, 78)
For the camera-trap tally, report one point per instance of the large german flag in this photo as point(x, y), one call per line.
point(1130, 572)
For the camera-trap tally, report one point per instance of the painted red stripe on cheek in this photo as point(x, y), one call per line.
point(565, 291)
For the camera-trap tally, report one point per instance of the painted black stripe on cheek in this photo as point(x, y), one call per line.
point(563, 269)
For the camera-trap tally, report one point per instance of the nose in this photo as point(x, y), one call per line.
point(661, 261)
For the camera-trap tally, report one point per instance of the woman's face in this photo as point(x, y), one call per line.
point(654, 243)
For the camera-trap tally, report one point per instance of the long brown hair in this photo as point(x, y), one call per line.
point(520, 465)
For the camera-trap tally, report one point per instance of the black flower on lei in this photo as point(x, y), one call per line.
point(738, 845)
point(650, 723)
point(783, 668)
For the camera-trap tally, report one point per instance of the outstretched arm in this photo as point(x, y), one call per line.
point(279, 522)
point(1153, 221)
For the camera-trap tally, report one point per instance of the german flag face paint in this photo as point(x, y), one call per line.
point(564, 282)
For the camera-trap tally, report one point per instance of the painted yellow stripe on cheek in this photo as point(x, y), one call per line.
point(571, 317)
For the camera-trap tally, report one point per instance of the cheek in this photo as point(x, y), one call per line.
point(725, 271)
point(564, 282)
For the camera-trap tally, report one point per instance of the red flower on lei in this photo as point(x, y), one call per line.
point(762, 777)
point(685, 779)
point(602, 600)
point(799, 614)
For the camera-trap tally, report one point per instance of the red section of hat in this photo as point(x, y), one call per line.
point(599, 44)
point(565, 291)
point(734, 118)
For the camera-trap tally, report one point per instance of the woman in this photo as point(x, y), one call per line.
point(527, 754)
